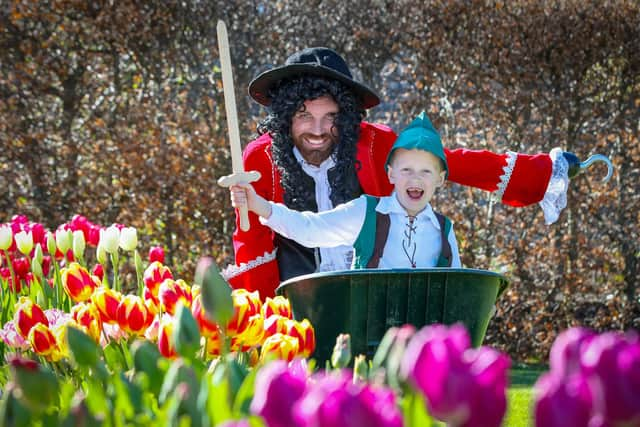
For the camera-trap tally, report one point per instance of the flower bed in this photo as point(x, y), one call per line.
point(86, 343)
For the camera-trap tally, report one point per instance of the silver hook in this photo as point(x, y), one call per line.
point(599, 158)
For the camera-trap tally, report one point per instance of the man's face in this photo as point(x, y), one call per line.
point(313, 131)
point(415, 174)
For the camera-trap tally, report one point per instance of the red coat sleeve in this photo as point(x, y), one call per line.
point(255, 264)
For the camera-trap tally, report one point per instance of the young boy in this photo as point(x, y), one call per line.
point(396, 231)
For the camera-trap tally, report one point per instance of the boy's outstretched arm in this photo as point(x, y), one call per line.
point(245, 195)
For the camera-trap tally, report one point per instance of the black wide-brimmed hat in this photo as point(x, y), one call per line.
point(314, 61)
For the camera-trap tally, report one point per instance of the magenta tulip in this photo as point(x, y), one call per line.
point(276, 390)
point(559, 399)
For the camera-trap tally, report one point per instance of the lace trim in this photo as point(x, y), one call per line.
point(505, 177)
point(232, 270)
point(555, 198)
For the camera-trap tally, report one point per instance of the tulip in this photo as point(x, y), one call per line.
point(42, 340)
point(98, 271)
point(78, 283)
point(51, 243)
point(64, 240)
point(128, 238)
point(172, 292)
point(154, 275)
point(251, 336)
point(154, 329)
point(235, 423)
point(165, 333)
point(275, 324)
point(133, 315)
point(559, 399)
point(10, 336)
point(78, 244)
point(245, 305)
point(341, 355)
point(564, 357)
point(6, 237)
point(335, 401)
point(278, 305)
point(612, 363)
point(93, 235)
point(214, 343)
point(462, 386)
point(305, 334)
point(275, 392)
point(152, 302)
point(110, 239)
point(106, 301)
point(279, 346)
point(217, 296)
point(101, 254)
point(156, 253)
point(207, 327)
point(24, 242)
point(88, 315)
point(27, 315)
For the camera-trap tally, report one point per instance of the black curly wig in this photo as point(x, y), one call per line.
point(286, 98)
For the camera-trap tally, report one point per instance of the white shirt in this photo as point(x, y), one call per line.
point(333, 258)
point(342, 225)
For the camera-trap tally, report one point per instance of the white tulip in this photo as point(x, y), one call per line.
point(64, 240)
point(78, 244)
point(110, 239)
point(6, 237)
point(24, 242)
point(128, 238)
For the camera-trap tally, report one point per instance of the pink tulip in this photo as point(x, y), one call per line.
point(156, 253)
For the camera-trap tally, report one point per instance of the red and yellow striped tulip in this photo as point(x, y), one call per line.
point(251, 336)
point(165, 332)
point(305, 334)
point(154, 275)
point(27, 315)
point(279, 346)
point(245, 305)
point(152, 302)
point(106, 301)
point(78, 283)
point(43, 341)
point(172, 292)
point(207, 326)
point(278, 305)
point(88, 315)
point(133, 315)
point(275, 324)
point(214, 344)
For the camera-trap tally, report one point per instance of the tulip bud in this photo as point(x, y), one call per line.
point(37, 254)
point(101, 254)
point(36, 268)
point(156, 253)
point(279, 346)
point(186, 337)
point(78, 283)
point(78, 244)
point(24, 242)
point(128, 238)
point(341, 355)
point(64, 240)
point(51, 243)
point(110, 239)
point(27, 315)
point(6, 237)
point(360, 368)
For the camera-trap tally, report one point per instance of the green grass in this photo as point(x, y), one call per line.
point(520, 396)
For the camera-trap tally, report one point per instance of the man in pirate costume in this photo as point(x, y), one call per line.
point(316, 152)
point(396, 231)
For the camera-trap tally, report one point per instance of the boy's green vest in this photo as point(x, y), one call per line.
point(369, 246)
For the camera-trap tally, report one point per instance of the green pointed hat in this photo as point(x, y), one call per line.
point(420, 135)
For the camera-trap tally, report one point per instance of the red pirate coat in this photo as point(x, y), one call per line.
point(516, 179)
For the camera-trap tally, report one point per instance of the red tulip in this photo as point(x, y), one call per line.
point(172, 292)
point(165, 332)
point(154, 275)
point(245, 305)
point(88, 315)
point(156, 253)
point(305, 334)
point(78, 283)
point(42, 340)
point(278, 305)
point(279, 346)
point(106, 301)
point(133, 315)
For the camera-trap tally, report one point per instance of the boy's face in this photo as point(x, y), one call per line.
point(415, 175)
point(313, 131)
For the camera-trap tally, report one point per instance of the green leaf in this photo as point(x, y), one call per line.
point(244, 396)
point(414, 410)
point(186, 335)
point(215, 290)
point(84, 350)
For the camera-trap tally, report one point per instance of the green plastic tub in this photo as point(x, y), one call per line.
point(365, 303)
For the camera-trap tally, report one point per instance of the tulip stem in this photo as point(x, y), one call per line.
point(114, 262)
point(10, 264)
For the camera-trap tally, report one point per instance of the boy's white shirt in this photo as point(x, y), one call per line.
point(341, 226)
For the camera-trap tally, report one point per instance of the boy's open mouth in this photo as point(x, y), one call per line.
point(415, 193)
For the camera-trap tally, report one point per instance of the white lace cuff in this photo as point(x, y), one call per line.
point(232, 270)
point(555, 198)
point(507, 171)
